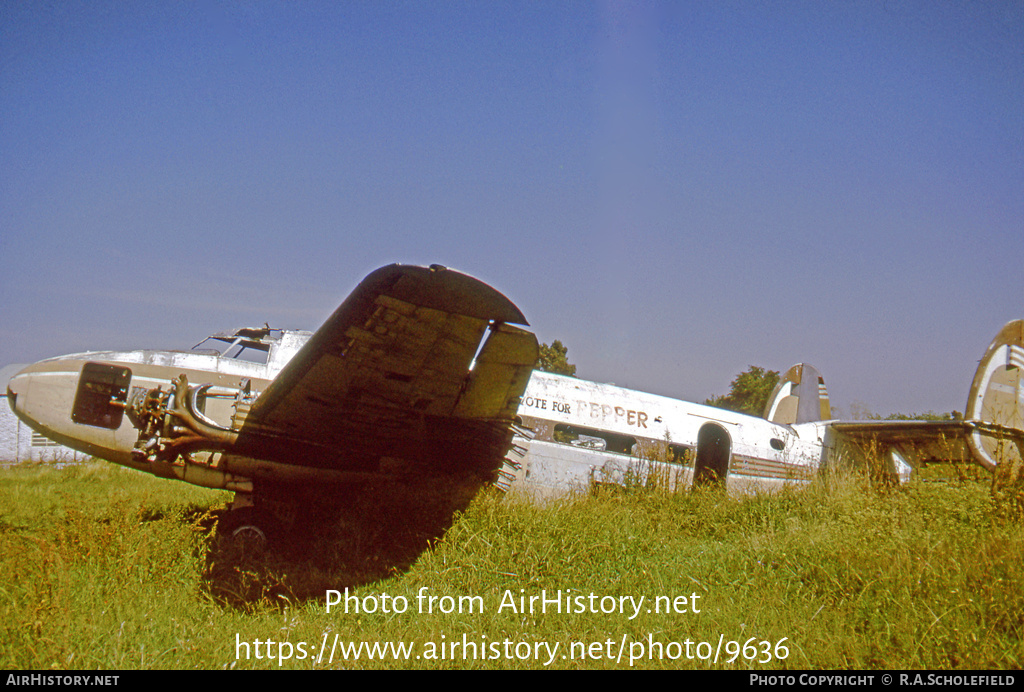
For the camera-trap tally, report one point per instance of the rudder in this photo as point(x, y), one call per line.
point(995, 405)
point(799, 397)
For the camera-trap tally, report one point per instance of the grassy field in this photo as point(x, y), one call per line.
point(103, 567)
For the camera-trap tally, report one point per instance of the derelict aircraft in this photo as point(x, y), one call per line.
point(424, 371)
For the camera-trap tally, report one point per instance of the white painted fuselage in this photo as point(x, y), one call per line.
point(587, 433)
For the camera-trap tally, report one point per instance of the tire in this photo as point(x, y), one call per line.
point(248, 530)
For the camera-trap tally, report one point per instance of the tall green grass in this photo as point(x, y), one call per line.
point(103, 567)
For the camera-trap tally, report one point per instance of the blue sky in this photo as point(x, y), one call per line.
point(675, 190)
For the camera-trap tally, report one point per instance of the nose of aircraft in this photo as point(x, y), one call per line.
point(41, 395)
point(17, 387)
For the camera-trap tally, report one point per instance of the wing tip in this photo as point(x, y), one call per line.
point(439, 286)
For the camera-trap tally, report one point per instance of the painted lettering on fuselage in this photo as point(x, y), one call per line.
point(617, 413)
point(542, 404)
point(589, 409)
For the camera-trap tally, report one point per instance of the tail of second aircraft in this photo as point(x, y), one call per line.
point(993, 426)
point(995, 405)
point(799, 397)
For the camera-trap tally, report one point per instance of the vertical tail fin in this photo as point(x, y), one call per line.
point(995, 406)
point(799, 397)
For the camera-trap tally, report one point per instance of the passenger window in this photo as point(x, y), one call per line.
point(663, 452)
point(680, 454)
point(590, 438)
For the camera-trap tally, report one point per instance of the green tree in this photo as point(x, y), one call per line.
point(554, 358)
point(749, 392)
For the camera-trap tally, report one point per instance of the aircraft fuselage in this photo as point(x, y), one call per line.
point(591, 433)
point(580, 433)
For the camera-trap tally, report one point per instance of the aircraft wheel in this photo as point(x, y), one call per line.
point(249, 530)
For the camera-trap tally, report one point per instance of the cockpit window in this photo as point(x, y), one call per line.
point(249, 351)
point(239, 346)
point(213, 345)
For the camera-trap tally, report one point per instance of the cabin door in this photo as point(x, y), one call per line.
point(714, 447)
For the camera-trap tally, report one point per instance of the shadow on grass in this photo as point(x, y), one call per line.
point(358, 536)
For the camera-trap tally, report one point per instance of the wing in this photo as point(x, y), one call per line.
point(992, 432)
point(398, 372)
point(918, 441)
